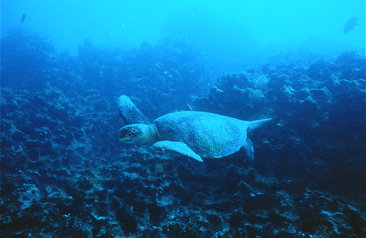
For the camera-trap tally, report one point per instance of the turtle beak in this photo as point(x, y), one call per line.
point(122, 136)
point(125, 136)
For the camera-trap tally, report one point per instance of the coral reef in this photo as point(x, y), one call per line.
point(64, 174)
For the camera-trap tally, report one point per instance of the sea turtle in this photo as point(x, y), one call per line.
point(191, 133)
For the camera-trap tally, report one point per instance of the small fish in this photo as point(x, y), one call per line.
point(23, 18)
point(189, 107)
point(350, 25)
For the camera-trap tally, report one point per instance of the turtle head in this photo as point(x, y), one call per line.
point(137, 133)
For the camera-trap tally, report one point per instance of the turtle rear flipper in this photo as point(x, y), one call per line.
point(129, 113)
point(249, 149)
point(178, 147)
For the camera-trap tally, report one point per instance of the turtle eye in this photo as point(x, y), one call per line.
point(129, 132)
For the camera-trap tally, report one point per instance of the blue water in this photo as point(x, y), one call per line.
point(231, 34)
point(64, 65)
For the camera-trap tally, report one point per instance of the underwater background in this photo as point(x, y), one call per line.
point(65, 63)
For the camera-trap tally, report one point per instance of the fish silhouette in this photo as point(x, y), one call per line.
point(23, 18)
point(350, 25)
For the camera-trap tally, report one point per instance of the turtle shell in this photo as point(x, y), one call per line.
point(207, 134)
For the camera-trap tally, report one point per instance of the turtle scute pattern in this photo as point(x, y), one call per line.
point(207, 134)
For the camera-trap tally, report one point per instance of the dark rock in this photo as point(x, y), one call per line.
point(356, 221)
point(251, 231)
point(215, 222)
point(236, 220)
point(262, 201)
point(156, 212)
point(109, 184)
point(127, 221)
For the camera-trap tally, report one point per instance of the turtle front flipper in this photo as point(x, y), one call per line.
point(178, 147)
point(129, 113)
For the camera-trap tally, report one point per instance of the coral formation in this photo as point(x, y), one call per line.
point(64, 174)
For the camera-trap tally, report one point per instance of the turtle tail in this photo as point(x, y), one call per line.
point(257, 123)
